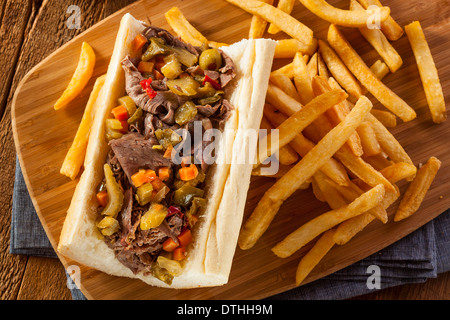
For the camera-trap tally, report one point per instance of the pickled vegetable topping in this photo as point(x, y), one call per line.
point(146, 86)
point(149, 205)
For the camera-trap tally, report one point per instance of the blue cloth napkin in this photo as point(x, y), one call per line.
point(421, 255)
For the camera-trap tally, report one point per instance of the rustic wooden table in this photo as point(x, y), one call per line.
point(29, 31)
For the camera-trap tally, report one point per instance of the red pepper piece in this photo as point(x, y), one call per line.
point(215, 84)
point(146, 86)
point(174, 210)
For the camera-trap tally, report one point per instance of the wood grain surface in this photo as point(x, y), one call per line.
point(50, 214)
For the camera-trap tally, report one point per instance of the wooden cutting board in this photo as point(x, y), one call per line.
point(43, 136)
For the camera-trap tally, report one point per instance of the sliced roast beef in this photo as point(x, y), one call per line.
point(165, 102)
point(228, 71)
point(133, 80)
point(195, 71)
point(134, 152)
point(159, 85)
point(208, 110)
point(125, 215)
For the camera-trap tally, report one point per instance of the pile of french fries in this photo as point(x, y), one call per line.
point(348, 155)
point(330, 137)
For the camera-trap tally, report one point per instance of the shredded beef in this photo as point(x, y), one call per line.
point(134, 152)
point(228, 71)
point(164, 103)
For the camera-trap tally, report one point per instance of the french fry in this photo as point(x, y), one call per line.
point(349, 228)
point(339, 71)
point(312, 258)
point(379, 42)
point(341, 17)
point(298, 121)
point(282, 101)
point(360, 70)
point(317, 191)
point(388, 119)
point(379, 69)
point(282, 20)
point(378, 161)
point(332, 168)
point(399, 171)
point(302, 79)
point(335, 85)
point(368, 139)
point(390, 28)
point(313, 66)
point(282, 170)
point(75, 156)
point(286, 6)
point(337, 113)
point(80, 77)
point(351, 192)
point(328, 192)
point(268, 206)
point(322, 67)
point(387, 141)
point(427, 70)
point(286, 155)
point(283, 82)
point(362, 169)
point(258, 25)
point(311, 229)
point(214, 44)
point(414, 195)
point(287, 48)
point(182, 27)
point(286, 70)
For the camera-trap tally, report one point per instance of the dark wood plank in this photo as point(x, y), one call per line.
point(13, 23)
point(35, 283)
point(30, 34)
point(15, 16)
point(42, 281)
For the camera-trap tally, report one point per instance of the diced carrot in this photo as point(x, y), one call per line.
point(124, 126)
point(146, 66)
point(159, 62)
point(158, 75)
point(179, 254)
point(168, 152)
point(164, 173)
point(138, 42)
point(120, 113)
point(157, 184)
point(139, 178)
point(185, 238)
point(150, 174)
point(169, 245)
point(188, 173)
point(102, 198)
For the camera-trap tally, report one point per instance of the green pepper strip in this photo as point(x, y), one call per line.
point(115, 195)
